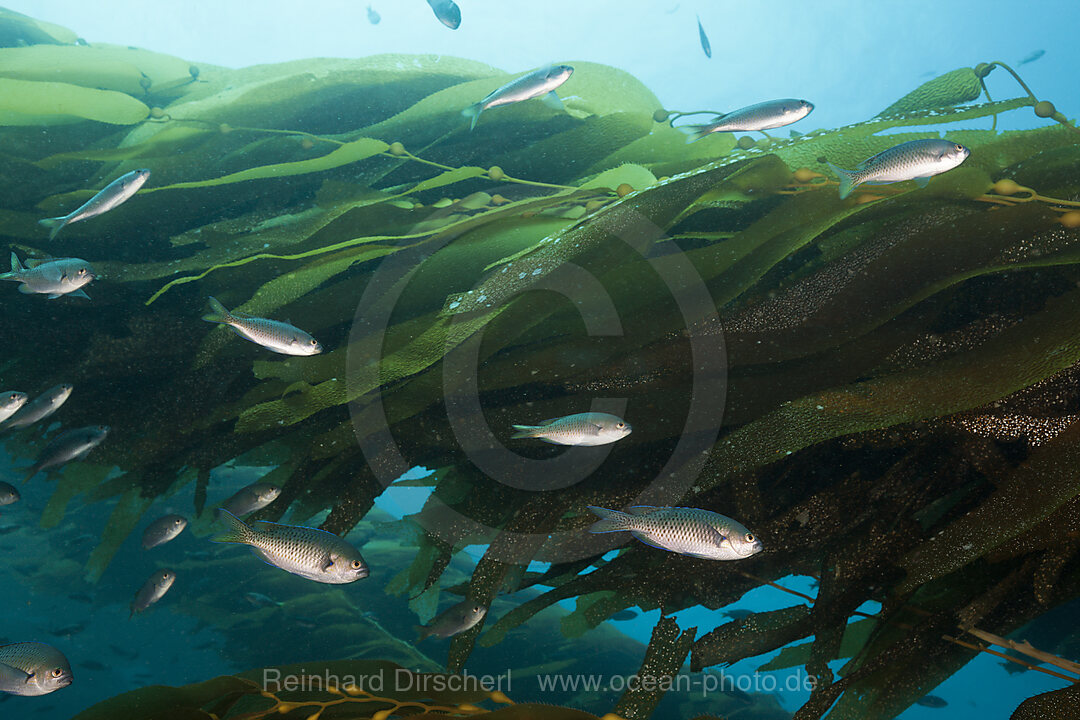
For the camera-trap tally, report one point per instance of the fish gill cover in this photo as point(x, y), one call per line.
point(874, 385)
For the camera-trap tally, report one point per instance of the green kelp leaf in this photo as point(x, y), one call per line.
point(1051, 705)
point(76, 479)
point(17, 29)
point(892, 270)
point(1008, 513)
point(645, 212)
point(953, 88)
point(150, 702)
point(456, 266)
point(316, 94)
point(665, 151)
point(757, 634)
point(73, 64)
point(449, 177)
point(346, 154)
point(591, 610)
point(296, 283)
point(125, 516)
point(568, 155)
point(172, 139)
point(855, 637)
point(234, 243)
point(24, 102)
point(598, 89)
point(635, 176)
point(441, 334)
point(999, 367)
point(95, 66)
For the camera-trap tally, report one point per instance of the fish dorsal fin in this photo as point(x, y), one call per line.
point(640, 509)
point(266, 525)
point(16, 266)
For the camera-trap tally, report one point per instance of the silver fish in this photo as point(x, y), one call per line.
point(111, 195)
point(537, 84)
point(586, 429)
point(704, 39)
point(39, 408)
point(916, 160)
point(457, 619)
point(33, 669)
point(65, 276)
point(261, 601)
point(67, 446)
point(152, 590)
point(253, 497)
point(310, 553)
point(687, 531)
point(447, 11)
point(163, 530)
point(11, 401)
point(271, 334)
point(9, 495)
point(753, 118)
point(372, 16)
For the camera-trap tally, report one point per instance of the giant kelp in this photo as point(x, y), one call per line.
point(854, 379)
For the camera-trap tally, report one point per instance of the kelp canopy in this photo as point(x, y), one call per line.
point(884, 388)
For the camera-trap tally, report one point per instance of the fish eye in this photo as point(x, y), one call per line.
point(749, 537)
point(57, 672)
point(621, 425)
point(313, 341)
point(960, 148)
point(14, 396)
point(357, 564)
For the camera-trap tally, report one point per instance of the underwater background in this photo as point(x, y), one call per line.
point(882, 387)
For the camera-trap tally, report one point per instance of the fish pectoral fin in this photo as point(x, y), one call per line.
point(552, 101)
point(648, 541)
point(17, 672)
point(328, 562)
point(922, 181)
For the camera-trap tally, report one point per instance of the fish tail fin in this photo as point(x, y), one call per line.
point(422, 633)
point(694, 132)
point(31, 472)
point(218, 314)
point(473, 111)
point(525, 431)
point(610, 520)
point(56, 223)
point(846, 178)
point(237, 532)
point(16, 266)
